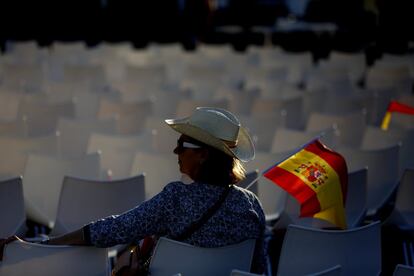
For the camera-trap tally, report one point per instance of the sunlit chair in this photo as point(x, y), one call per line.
point(156, 178)
point(82, 200)
point(383, 174)
point(22, 258)
point(12, 214)
point(9, 106)
point(357, 251)
point(171, 257)
point(23, 77)
point(164, 139)
point(43, 177)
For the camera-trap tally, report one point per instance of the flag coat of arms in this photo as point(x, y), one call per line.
point(317, 177)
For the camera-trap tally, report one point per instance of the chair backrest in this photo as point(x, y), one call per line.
point(356, 199)
point(117, 151)
point(350, 126)
point(238, 272)
point(171, 257)
point(383, 166)
point(306, 250)
point(12, 214)
point(83, 200)
point(403, 270)
point(159, 169)
point(23, 258)
point(43, 177)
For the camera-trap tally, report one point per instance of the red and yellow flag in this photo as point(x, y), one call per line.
point(395, 106)
point(317, 177)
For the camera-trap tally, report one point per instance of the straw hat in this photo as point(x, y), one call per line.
point(218, 128)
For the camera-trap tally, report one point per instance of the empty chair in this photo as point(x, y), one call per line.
point(159, 169)
point(171, 257)
point(12, 214)
point(262, 128)
point(130, 116)
point(43, 177)
point(40, 118)
point(289, 139)
point(403, 213)
point(14, 152)
point(74, 134)
point(164, 138)
point(22, 258)
point(82, 201)
point(383, 174)
point(306, 250)
point(117, 151)
point(403, 270)
point(271, 196)
point(376, 138)
point(349, 127)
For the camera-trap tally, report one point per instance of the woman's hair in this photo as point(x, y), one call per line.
point(220, 169)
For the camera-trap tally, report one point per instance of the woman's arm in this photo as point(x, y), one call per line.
point(76, 237)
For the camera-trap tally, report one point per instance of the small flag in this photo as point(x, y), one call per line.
point(317, 177)
point(395, 106)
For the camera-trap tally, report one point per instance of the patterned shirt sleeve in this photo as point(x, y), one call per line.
point(144, 220)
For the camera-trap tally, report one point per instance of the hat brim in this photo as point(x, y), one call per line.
point(244, 151)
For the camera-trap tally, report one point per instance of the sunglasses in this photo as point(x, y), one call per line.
point(186, 145)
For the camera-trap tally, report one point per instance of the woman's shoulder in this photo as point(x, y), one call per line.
point(244, 192)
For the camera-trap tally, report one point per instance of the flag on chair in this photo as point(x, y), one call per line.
point(395, 106)
point(317, 177)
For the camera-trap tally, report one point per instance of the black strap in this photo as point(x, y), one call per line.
point(207, 215)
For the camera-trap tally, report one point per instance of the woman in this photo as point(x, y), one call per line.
point(210, 148)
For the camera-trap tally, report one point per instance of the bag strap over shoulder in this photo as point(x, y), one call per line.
point(206, 216)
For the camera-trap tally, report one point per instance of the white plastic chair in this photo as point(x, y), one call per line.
point(383, 173)
point(23, 258)
point(306, 250)
point(12, 214)
point(171, 257)
point(43, 177)
point(156, 178)
point(82, 201)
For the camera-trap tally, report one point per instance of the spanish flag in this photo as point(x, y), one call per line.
point(395, 106)
point(317, 177)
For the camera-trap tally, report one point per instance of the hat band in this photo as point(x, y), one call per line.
point(230, 144)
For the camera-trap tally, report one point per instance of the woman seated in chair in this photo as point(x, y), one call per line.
point(210, 150)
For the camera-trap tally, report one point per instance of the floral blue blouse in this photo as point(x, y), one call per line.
point(170, 212)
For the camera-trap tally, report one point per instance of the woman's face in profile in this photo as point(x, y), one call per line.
point(190, 156)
